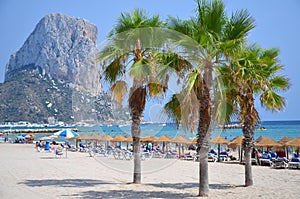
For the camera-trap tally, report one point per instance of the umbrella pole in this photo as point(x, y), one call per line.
point(218, 152)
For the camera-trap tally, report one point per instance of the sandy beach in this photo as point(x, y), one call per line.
point(26, 173)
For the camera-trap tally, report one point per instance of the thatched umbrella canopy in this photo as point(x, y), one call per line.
point(164, 139)
point(106, 138)
point(181, 140)
point(237, 142)
point(83, 137)
point(96, 137)
point(148, 139)
point(128, 139)
point(118, 138)
point(194, 141)
point(219, 140)
point(268, 142)
point(284, 140)
point(259, 139)
point(295, 142)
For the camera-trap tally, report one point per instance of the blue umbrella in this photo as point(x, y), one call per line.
point(67, 133)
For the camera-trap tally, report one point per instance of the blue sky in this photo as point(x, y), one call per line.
point(277, 25)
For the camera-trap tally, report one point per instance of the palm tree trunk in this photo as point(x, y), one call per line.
point(136, 132)
point(203, 140)
point(248, 132)
point(137, 102)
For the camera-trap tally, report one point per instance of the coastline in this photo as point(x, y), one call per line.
point(26, 173)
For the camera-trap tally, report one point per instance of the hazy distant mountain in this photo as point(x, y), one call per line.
point(65, 48)
point(54, 76)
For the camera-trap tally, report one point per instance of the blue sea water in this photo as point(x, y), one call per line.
point(274, 129)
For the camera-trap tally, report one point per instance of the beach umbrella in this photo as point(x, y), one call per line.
point(237, 142)
point(259, 139)
point(194, 141)
point(163, 139)
point(148, 139)
point(181, 140)
point(219, 140)
point(106, 138)
point(268, 142)
point(118, 138)
point(295, 142)
point(128, 139)
point(66, 133)
point(283, 141)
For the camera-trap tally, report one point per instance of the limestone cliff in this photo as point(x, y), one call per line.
point(64, 48)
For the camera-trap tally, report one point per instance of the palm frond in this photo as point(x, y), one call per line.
point(119, 88)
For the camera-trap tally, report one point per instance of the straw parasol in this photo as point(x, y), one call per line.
point(237, 142)
point(284, 140)
point(96, 137)
point(128, 139)
point(164, 139)
point(118, 138)
point(106, 138)
point(148, 139)
point(181, 140)
point(268, 142)
point(219, 140)
point(259, 139)
point(194, 141)
point(295, 142)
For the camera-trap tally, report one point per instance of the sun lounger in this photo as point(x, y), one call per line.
point(279, 163)
point(265, 159)
point(294, 163)
point(58, 152)
point(212, 157)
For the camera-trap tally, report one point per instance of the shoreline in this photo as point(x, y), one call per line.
point(26, 173)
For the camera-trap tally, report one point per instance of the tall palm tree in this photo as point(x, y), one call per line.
point(253, 72)
point(126, 50)
point(220, 36)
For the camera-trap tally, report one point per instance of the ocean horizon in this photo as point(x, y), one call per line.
point(273, 129)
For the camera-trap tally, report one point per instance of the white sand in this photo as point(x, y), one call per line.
point(26, 173)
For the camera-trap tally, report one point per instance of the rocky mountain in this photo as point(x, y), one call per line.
point(54, 77)
point(30, 96)
point(64, 48)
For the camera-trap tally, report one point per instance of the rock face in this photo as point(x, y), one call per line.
point(64, 48)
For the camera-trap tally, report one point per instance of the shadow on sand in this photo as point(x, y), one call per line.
point(121, 193)
point(64, 183)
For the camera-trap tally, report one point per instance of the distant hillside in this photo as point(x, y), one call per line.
point(31, 96)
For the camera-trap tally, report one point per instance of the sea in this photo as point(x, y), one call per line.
point(273, 129)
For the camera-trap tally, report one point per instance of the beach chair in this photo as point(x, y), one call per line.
point(211, 157)
point(279, 163)
point(294, 163)
point(265, 159)
point(59, 152)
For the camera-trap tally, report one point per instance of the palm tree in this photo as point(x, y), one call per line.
point(220, 36)
point(126, 50)
point(253, 72)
